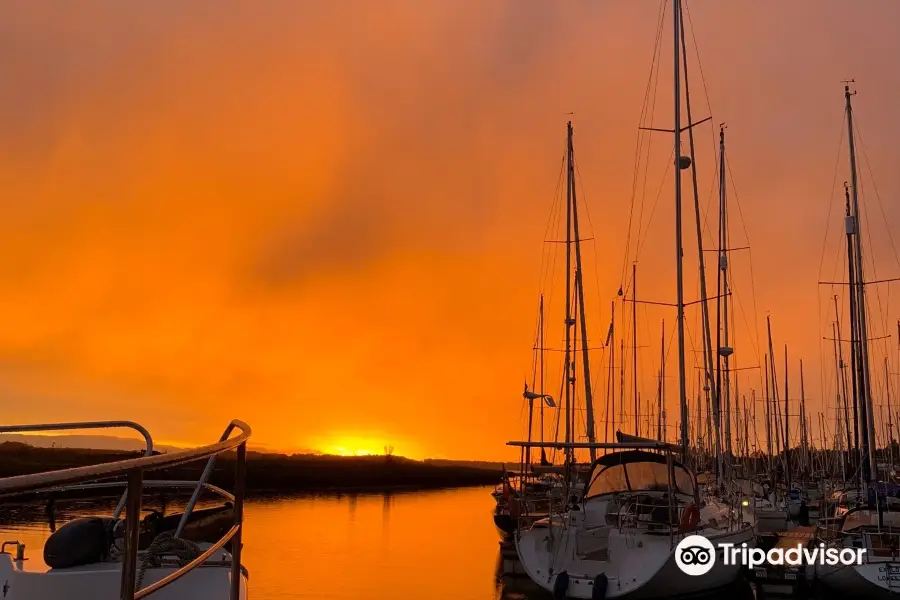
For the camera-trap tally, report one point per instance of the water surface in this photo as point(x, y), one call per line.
point(434, 545)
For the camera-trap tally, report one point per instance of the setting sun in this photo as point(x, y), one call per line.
point(342, 451)
point(351, 445)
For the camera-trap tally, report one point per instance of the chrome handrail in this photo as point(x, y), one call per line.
point(87, 425)
point(25, 483)
point(207, 471)
point(134, 468)
point(148, 483)
point(83, 425)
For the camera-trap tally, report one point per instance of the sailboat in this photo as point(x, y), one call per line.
point(523, 495)
point(539, 488)
point(874, 524)
point(640, 499)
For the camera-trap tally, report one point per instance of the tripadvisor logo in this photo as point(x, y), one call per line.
point(696, 555)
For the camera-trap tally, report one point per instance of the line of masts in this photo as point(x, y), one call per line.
point(716, 379)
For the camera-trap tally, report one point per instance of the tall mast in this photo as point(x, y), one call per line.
point(622, 374)
point(753, 417)
point(804, 435)
point(569, 320)
point(868, 421)
point(541, 373)
point(824, 439)
point(634, 359)
point(700, 443)
point(679, 249)
point(723, 349)
point(661, 408)
point(858, 432)
point(776, 408)
point(843, 408)
point(611, 385)
point(787, 424)
point(769, 454)
point(746, 430)
point(579, 287)
point(704, 300)
point(890, 423)
point(842, 377)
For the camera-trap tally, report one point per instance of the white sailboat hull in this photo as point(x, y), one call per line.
point(637, 565)
point(101, 581)
point(870, 580)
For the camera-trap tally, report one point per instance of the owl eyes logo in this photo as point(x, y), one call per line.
point(695, 555)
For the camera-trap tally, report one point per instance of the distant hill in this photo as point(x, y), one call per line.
point(122, 444)
point(94, 442)
point(102, 442)
point(471, 464)
point(267, 472)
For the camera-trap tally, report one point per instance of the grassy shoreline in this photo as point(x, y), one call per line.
point(269, 473)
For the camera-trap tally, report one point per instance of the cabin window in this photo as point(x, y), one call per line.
point(639, 476)
point(609, 480)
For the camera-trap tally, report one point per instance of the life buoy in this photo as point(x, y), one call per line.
point(690, 518)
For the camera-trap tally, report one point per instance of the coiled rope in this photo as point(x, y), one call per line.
point(166, 544)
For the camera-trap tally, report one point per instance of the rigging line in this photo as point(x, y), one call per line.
point(707, 210)
point(737, 202)
point(599, 369)
point(743, 312)
point(871, 259)
point(702, 76)
point(833, 186)
point(883, 215)
point(593, 241)
point(548, 276)
point(649, 137)
point(640, 139)
point(687, 11)
point(548, 255)
point(642, 238)
point(875, 187)
point(552, 218)
point(840, 261)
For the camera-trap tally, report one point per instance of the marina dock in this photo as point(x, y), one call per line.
point(510, 560)
point(777, 579)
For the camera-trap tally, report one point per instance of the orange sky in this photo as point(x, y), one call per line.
point(326, 218)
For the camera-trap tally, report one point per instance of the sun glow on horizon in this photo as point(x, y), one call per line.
point(343, 451)
point(353, 445)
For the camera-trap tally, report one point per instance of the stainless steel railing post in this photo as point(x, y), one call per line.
point(207, 471)
point(240, 472)
point(132, 533)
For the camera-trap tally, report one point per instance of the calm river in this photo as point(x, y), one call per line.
point(437, 545)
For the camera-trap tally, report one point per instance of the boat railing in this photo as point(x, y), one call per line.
point(87, 425)
point(646, 511)
point(880, 543)
point(134, 470)
point(207, 471)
